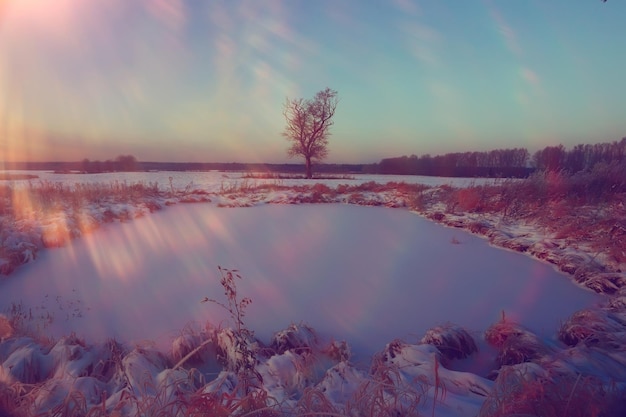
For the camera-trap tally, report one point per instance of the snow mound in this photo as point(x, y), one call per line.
point(286, 376)
point(28, 364)
point(339, 385)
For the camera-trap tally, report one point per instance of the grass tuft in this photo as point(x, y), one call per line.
point(453, 341)
point(594, 327)
point(515, 344)
point(527, 390)
point(298, 338)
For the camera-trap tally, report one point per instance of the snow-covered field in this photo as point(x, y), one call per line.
point(215, 181)
point(366, 275)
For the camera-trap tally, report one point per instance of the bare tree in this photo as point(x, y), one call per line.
point(308, 126)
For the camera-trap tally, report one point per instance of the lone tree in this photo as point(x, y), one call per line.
point(308, 126)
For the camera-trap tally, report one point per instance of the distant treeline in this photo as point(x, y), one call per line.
point(123, 163)
point(514, 163)
point(495, 163)
point(581, 157)
point(253, 167)
point(510, 163)
point(130, 164)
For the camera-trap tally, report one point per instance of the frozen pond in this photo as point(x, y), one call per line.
point(363, 274)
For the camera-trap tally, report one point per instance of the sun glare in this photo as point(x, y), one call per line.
point(34, 18)
point(44, 13)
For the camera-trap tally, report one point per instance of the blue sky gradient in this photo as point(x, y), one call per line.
point(205, 81)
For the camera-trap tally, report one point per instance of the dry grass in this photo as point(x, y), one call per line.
point(584, 211)
point(514, 343)
point(46, 196)
point(521, 392)
point(6, 328)
point(297, 338)
point(453, 341)
point(314, 403)
point(50, 214)
point(388, 390)
point(597, 327)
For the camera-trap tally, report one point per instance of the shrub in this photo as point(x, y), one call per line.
point(236, 348)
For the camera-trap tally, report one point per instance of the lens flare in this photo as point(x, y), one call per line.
point(48, 17)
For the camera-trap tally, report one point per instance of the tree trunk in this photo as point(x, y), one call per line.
point(309, 170)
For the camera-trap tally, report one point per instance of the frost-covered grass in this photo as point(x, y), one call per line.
point(47, 214)
point(575, 223)
point(71, 377)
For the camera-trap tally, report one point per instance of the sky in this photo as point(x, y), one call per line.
point(206, 81)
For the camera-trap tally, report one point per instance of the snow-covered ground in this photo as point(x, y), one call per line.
point(365, 275)
point(215, 181)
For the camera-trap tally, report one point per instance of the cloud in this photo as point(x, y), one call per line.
point(506, 31)
point(530, 76)
point(422, 41)
point(532, 87)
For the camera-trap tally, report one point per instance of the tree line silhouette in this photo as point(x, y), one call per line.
point(516, 162)
point(494, 163)
point(123, 163)
point(581, 157)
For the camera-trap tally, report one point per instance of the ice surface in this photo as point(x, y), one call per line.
point(367, 275)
